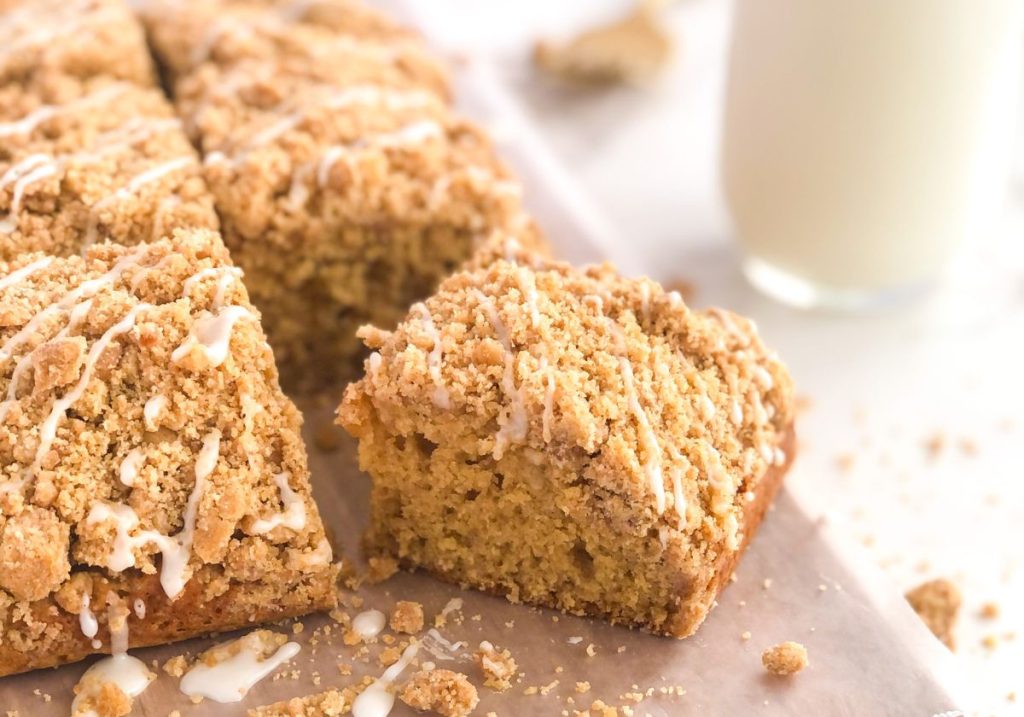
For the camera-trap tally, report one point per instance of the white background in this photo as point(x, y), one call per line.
point(879, 385)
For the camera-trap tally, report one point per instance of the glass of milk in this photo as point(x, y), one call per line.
point(865, 140)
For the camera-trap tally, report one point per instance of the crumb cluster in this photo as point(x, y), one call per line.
point(786, 658)
point(535, 407)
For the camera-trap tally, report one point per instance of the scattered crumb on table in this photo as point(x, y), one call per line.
point(937, 602)
point(786, 658)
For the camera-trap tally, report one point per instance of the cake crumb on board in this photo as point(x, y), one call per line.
point(444, 692)
point(407, 617)
point(786, 658)
point(937, 602)
point(498, 666)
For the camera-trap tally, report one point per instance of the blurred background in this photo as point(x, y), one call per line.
point(912, 422)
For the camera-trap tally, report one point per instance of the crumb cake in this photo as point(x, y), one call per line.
point(346, 186)
point(573, 439)
point(148, 457)
point(40, 39)
point(109, 162)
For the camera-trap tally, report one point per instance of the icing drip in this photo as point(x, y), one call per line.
point(75, 317)
point(440, 395)
point(128, 673)
point(369, 623)
point(377, 699)
point(512, 423)
point(16, 277)
point(411, 134)
point(648, 439)
point(549, 398)
point(736, 413)
point(130, 466)
point(676, 476)
point(227, 276)
point(293, 515)
point(707, 407)
point(87, 619)
point(24, 175)
point(152, 411)
point(46, 112)
point(528, 288)
point(356, 95)
point(212, 334)
point(177, 549)
point(228, 671)
point(139, 607)
point(48, 430)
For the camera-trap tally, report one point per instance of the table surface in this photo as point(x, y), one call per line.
point(913, 434)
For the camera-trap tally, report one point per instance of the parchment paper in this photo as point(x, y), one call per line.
point(869, 653)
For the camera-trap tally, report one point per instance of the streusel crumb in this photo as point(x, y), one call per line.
point(444, 692)
point(786, 658)
point(498, 666)
point(407, 617)
point(937, 602)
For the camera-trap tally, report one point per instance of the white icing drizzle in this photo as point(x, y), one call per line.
point(152, 411)
point(19, 275)
point(48, 429)
point(139, 607)
point(440, 396)
point(293, 513)
point(211, 332)
point(369, 623)
point(75, 317)
point(378, 699)
point(411, 134)
point(762, 376)
point(85, 290)
point(153, 174)
point(356, 95)
point(707, 406)
point(451, 606)
point(676, 476)
point(177, 549)
point(246, 662)
point(528, 288)
point(736, 413)
point(648, 439)
point(130, 466)
point(45, 112)
point(645, 300)
point(320, 555)
point(24, 176)
point(227, 276)
point(374, 362)
point(513, 423)
point(87, 618)
point(549, 398)
point(128, 673)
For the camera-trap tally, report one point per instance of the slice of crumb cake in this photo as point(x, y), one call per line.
point(148, 458)
point(573, 439)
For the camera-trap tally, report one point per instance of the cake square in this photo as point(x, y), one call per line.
point(94, 159)
point(42, 40)
point(148, 457)
point(348, 188)
point(572, 439)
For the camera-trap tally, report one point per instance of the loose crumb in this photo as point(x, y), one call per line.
point(989, 611)
point(786, 658)
point(583, 687)
point(176, 666)
point(937, 603)
point(407, 617)
point(446, 693)
point(499, 667)
point(380, 568)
